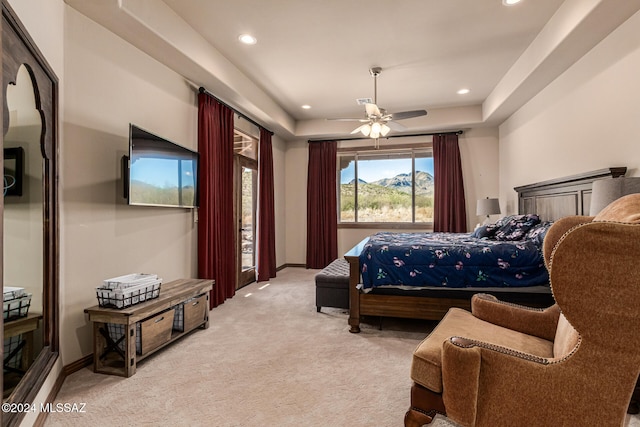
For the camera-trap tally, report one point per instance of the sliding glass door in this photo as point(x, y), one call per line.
point(246, 190)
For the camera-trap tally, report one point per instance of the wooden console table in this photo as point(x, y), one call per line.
point(24, 326)
point(153, 319)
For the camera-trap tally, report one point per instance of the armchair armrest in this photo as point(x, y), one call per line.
point(461, 369)
point(538, 322)
point(467, 363)
point(468, 343)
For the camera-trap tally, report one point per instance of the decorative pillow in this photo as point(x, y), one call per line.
point(516, 227)
point(482, 232)
point(537, 232)
point(502, 221)
point(624, 209)
point(492, 228)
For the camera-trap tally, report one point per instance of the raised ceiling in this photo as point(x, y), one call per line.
point(318, 53)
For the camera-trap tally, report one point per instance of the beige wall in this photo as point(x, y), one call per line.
point(279, 198)
point(114, 84)
point(296, 159)
point(110, 84)
point(479, 153)
point(585, 120)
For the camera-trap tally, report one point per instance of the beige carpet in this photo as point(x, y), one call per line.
point(442, 421)
point(268, 359)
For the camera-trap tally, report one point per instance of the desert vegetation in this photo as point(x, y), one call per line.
point(377, 203)
point(150, 194)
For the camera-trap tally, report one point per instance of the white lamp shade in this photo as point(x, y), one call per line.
point(488, 207)
point(605, 191)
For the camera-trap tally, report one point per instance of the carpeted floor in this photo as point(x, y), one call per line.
point(268, 359)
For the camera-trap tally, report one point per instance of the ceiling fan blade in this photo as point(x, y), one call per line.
point(372, 110)
point(350, 120)
point(408, 114)
point(362, 129)
point(396, 126)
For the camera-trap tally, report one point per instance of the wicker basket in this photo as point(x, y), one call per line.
point(16, 307)
point(125, 291)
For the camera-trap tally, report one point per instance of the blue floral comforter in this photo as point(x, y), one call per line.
point(453, 260)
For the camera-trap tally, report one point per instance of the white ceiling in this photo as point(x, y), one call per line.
point(319, 53)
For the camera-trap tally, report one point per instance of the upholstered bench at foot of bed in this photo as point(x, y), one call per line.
point(332, 285)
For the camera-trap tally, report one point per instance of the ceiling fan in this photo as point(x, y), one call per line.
point(377, 122)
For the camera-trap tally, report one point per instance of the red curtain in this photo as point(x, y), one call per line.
point(216, 228)
point(450, 214)
point(322, 212)
point(266, 217)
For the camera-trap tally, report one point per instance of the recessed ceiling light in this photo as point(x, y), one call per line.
point(247, 39)
point(463, 91)
point(510, 2)
point(306, 107)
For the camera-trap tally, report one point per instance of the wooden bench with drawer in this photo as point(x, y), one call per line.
point(149, 326)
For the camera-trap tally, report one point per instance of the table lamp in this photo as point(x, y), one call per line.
point(605, 191)
point(488, 207)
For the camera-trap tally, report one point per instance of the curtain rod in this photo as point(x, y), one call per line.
point(241, 115)
point(452, 132)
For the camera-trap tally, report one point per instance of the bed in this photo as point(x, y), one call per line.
point(422, 275)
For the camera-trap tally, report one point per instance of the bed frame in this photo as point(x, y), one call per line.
point(551, 200)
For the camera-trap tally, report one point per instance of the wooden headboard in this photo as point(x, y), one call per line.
point(562, 197)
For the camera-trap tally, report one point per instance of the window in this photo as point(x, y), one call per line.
point(245, 144)
point(386, 187)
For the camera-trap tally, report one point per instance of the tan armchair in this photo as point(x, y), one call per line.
point(572, 364)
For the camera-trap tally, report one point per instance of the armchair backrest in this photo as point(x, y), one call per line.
point(595, 278)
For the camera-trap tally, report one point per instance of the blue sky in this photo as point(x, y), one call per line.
point(373, 170)
point(161, 173)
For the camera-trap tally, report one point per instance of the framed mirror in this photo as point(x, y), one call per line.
point(30, 217)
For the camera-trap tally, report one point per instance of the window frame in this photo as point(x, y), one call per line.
point(409, 149)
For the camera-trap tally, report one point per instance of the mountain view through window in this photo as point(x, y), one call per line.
point(385, 189)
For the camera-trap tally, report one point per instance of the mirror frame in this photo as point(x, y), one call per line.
point(19, 48)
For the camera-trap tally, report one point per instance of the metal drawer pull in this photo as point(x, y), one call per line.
point(195, 303)
point(159, 320)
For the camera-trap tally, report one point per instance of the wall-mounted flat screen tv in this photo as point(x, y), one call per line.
point(160, 173)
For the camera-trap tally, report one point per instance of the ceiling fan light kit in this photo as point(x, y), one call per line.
point(377, 122)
